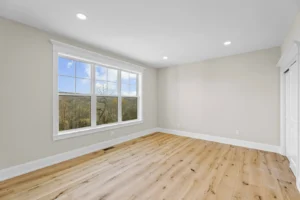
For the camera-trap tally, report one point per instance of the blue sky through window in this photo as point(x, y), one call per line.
point(101, 73)
point(83, 70)
point(67, 81)
point(66, 84)
point(101, 87)
point(125, 77)
point(132, 90)
point(125, 89)
point(132, 79)
point(75, 77)
point(112, 75)
point(83, 86)
point(128, 84)
point(66, 67)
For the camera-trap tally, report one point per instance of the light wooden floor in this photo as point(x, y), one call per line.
point(161, 166)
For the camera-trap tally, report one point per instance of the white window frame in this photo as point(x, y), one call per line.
point(72, 52)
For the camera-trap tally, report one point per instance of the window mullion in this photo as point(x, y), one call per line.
point(93, 98)
point(119, 97)
point(75, 77)
point(138, 94)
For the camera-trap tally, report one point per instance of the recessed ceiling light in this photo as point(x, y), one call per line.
point(81, 16)
point(165, 58)
point(227, 43)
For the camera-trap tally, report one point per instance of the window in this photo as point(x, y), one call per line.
point(74, 82)
point(91, 95)
point(129, 96)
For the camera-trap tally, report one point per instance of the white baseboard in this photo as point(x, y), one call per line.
point(236, 142)
point(282, 150)
point(51, 160)
point(48, 161)
point(293, 166)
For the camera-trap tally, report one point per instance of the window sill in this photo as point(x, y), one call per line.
point(86, 131)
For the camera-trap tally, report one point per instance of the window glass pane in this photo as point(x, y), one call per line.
point(132, 90)
point(66, 84)
point(107, 110)
point(66, 67)
point(111, 88)
point(101, 87)
point(101, 73)
point(125, 90)
point(125, 77)
point(112, 75)
point(129, 108)
point(83, 70)
point(132, 79)
point(83, 86)
point(74, 112)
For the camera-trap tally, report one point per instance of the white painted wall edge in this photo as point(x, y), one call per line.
point(235, 142)
point(51, 160)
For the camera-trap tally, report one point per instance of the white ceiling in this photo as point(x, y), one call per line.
point(186, 31)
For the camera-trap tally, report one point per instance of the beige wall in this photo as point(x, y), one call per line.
point(215, 97)
point(26, 98)
point(293, 34)
point(219, 96)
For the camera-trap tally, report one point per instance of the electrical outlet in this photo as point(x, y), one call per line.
point(237, 132)
point(112, 132)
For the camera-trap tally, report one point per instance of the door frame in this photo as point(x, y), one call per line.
point(286, 75)
point(284, 67)
point(286, 61)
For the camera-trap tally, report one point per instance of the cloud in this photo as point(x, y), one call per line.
point(101, 88)
point(87, 70)
point(70, 64)
point(101, 73)
point(85, 81)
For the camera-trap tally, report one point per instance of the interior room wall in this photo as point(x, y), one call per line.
point(234, 97)
point(26, 97)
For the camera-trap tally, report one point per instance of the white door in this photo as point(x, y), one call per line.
point(291, 80)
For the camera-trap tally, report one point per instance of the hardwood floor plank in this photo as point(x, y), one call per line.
point(161, 166)
point(115, 170)
point(56, 170)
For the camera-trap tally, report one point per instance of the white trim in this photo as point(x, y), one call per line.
point(282, 113)
point(90, 56)
point(76, 53)
point(288, 56)
point(119, 99)
point(45, 162)
point(51, 160)
point(293, 166)
point(235, 142)
point(93, 98)
point(91, 130)
point(284, 63)
point(140, 89)
point(55, 97)
point(287, 59)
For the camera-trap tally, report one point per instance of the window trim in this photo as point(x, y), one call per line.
point(69, 51)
